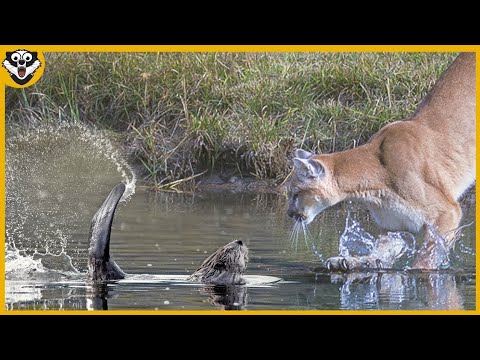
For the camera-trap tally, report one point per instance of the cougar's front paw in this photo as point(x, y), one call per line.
point(337, 263)
point(350, 263)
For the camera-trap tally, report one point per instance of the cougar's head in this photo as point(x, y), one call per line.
point(312, 187)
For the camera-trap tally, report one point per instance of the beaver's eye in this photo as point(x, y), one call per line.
point(294, 197)
point(219, 266)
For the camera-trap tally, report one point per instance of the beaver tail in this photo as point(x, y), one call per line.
point(101, 266)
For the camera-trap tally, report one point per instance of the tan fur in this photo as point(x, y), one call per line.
point(411, 173)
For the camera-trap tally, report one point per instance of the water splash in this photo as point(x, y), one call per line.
point(394, 249)
point(434, 253)
point(391, 248)
point(464, 249)
point(460, 255)
point(355, 240)
point(17, 264)
point(54, 175)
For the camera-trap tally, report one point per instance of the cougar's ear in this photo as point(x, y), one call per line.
point(308, 168)
point(302, 154)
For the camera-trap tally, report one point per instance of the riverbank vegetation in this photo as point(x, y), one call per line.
point(178, 115)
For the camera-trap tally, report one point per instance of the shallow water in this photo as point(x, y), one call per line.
point(52, 196)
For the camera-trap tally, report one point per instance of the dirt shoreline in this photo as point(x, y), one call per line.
point(247, 184)
point(238, 184)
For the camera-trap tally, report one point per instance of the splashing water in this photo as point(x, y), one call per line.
point(437, 256)
point(52, 175)
point(396, 249)
point(16, 263)
point(440, 256)
point(355, 241)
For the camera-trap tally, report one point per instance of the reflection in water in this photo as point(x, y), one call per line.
point(97, 295)
point(224, 297)
point(392, 290)
point(229, 297)
point(353, 291)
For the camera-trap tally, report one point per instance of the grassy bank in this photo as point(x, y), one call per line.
point(180, 114)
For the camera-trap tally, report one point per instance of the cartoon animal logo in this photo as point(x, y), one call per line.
point(21, 65)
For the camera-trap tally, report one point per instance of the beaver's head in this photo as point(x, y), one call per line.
point(225, 266)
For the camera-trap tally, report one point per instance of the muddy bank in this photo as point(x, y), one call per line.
point(239, 184)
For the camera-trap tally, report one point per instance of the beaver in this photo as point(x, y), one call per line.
point(224, 267)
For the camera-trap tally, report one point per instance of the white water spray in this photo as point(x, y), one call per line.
point(56, 176)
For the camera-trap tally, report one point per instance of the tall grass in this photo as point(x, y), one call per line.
point(182, 114)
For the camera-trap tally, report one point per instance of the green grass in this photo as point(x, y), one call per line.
point(181, 114)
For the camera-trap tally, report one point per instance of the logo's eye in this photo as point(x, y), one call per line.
point(27, 56)
point(15, 57)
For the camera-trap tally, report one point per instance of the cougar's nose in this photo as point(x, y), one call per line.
point(290, 213)
point(240, 242)
point(295, 215)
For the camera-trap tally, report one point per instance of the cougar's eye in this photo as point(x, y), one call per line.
point(15, 57)
point(27, 57)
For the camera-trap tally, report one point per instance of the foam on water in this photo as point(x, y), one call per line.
point(52, 173)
